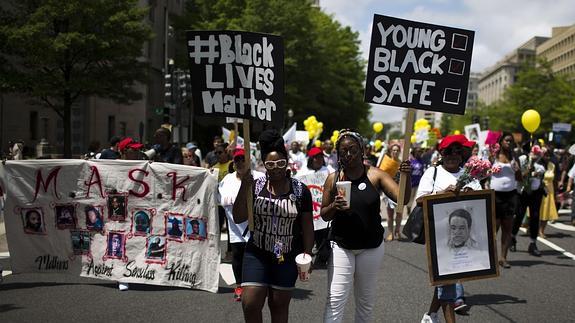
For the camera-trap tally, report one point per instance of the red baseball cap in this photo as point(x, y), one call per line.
point(452, 139)
point(314, 152)
point(239, 152)
point(129, 143)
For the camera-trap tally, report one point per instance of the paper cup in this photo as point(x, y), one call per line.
point(303, 261)
point(344, 190)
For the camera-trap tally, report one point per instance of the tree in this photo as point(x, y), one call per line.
point(58, 51)
point(536, 88)
point(323, 69)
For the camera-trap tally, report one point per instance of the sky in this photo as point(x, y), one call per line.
point(500, 25)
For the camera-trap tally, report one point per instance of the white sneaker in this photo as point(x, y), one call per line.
point(123, 286)
point(430, 318)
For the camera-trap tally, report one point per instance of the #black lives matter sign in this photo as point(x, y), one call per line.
point(418, 65)
point(237, 74)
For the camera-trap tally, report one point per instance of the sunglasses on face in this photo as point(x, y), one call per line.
point(272, 164)
point(452, 151)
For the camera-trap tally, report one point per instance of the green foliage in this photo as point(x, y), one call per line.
point(323, 68)
point(536, 88)
point(56, 51)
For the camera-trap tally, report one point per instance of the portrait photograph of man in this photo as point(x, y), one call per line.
point(115, 245)
point(142, 223)
point(156, 248)
point(174, 227)
point(117, 207)
point(196, 229)
point(33, 219)
point(80, 242)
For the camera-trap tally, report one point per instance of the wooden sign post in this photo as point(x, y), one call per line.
point(248, 161)
point(405, 156)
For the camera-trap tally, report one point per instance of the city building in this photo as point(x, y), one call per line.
point(95, 119)
point(497, 78)
point(559, 50)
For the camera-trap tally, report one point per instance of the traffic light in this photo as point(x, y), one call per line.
point(169, 77)
point(485, 123)
point(474, 118)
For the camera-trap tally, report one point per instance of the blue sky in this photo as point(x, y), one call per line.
point(499, 25)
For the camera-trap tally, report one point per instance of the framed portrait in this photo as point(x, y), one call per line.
point(80, 242)
point(142, 221)
point(156, 247)
point(174, 224)
point(196, 229)
point(33, 220)
point(116, 245)
point(65, 216)
point(94, 218)
point(473, 132)
point(460, 236)
point(117, 207)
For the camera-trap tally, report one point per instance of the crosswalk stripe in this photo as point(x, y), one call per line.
point(553, 246)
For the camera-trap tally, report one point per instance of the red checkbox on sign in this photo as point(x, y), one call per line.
point(456, 66)
point(459, 42)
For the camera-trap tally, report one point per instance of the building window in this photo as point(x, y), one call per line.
point(33, 125)
point(123, 127)
point(45, 128)
point(111, 127)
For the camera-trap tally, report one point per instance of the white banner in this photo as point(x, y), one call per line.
point(129, 221)
point(314, 183)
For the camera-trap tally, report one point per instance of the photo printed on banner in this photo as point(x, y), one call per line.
point(33, 220)
point(142, 222)
point(94, 218)
point(174, 226)
point(237, 74)
point(65, 216)
point(117, 207)
point(80, 242)
point(156, 247)
point(196, 229)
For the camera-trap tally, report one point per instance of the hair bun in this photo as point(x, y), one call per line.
point(271, 140)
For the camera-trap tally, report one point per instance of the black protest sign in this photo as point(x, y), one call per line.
point(418, 65)
point(237, 74)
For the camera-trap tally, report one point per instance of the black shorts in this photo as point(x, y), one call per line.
point(262, 270)
point(506, 204)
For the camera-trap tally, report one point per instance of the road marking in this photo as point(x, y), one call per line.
point(4, 255)
point(227, 274)
point(553, 246)
point(6, 273)
point(561, 226)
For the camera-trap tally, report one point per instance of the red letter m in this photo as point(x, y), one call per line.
point(40, 181)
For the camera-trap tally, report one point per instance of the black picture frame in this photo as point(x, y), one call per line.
point(459, 249)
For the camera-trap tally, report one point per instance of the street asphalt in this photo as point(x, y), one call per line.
point(535, 289)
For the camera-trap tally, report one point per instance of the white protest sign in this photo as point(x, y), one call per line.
point(129, 221)
point(314, 183)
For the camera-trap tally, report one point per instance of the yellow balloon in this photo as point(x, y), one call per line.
point(377, 144)
point(531, 120)
point(312, 118)
point(334, 139)
point(311, 134)
point(335, 133)
point(306, 122)
point(413, 139)
point(541, 142)
point(456, 132)
point(377, 127)
point(320, 125)
point(317, 143)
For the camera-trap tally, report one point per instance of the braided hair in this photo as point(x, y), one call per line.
point(353, 135)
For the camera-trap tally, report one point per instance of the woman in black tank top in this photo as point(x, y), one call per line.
point(357, 233)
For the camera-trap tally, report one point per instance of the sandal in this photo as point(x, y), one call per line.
point(389, 237)
point(504, 264)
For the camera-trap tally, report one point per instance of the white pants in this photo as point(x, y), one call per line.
point(344, 267)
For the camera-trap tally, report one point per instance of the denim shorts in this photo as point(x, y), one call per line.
point(447, 293)
point(263, 270)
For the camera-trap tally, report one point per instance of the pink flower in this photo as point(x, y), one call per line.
point(496, 169)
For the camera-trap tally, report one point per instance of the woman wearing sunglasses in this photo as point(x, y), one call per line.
point(283, 228)
point(357, 233)
point(453, 150)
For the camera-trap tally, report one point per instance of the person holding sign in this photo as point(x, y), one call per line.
point(283, 228)
point(442, 179)
point(357, 233)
